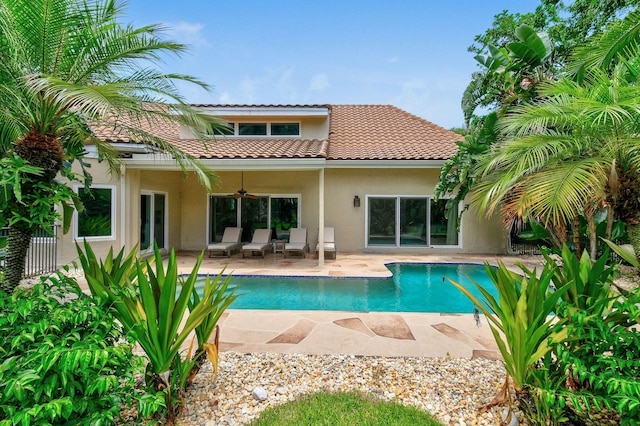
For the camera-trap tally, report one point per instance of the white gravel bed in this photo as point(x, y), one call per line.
point(451, 389)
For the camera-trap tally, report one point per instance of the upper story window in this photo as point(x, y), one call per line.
point(285, 129)
point(252, 129)
point(229, 129)
point(260, 129)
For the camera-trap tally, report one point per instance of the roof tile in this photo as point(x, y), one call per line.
point(357, 132)
point(385, 132)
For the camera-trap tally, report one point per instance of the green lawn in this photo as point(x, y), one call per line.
point(343, 409)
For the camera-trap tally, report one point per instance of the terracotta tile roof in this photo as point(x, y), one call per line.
point(254, 148)
point(357, 132)
point(385, 132)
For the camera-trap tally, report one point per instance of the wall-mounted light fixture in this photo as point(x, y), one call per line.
point(356, 201)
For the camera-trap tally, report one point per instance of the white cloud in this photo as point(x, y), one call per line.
point(190, 33)
point(319, 82)
point(393, 59)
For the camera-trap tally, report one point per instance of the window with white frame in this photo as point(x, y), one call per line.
point(97, 219)
point(260, 129)
point(407, 221)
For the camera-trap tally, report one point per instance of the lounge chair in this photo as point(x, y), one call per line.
point(329, 242)
point(261, 242)
point(230, 242)
point(297, 242)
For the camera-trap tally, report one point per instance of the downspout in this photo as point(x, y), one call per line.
point(123, 211)
point(321, 218)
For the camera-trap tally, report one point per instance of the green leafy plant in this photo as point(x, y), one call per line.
point(158, 313)
point(602, 358)
point(222, 298)
point(64, 360)
point(600, 355)
point(520, 321)
point(588, 283)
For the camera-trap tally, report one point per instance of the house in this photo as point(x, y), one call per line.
point(369, 171)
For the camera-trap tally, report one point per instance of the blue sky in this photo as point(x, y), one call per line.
point(412, 54)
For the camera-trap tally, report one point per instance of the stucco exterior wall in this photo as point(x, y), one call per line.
point(188, 206)
point(341, 185)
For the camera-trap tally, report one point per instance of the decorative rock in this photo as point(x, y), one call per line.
point(450, 389)
point(259, 394)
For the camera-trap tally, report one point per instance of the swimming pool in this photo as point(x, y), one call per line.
point(414, 287)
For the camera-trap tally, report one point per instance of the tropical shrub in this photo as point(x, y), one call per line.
point(64, 360)
point(160, 315)
point(602, 360)
point(519, 319)
point(581, 360)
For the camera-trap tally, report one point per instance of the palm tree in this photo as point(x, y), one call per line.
point(563, 153)
point(67, 66)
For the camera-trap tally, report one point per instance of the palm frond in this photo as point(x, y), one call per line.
point(620, 39)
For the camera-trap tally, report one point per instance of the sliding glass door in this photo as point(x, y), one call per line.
point(153, 220)
point(397, 221)
point(277, 212)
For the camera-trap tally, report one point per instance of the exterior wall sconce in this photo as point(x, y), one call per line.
point(356, 201)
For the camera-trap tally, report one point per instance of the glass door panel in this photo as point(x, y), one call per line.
point(153, 220)
point(284, 216)
point(223, 212)
point(413, 221)
point(444, 223)
point(254, 214)
point(145, 221)
point(382, 221)
point(159, 219)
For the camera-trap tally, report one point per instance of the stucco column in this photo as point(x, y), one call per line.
point(321, 218)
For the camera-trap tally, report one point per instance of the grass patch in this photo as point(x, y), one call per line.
point(343, 409)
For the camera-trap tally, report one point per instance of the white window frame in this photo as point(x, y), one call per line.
point(114, 219)
point(397, 245)
point(236, 129)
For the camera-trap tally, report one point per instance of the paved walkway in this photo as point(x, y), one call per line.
point(357, 333)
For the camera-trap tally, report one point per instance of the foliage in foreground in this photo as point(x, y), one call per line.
point(63, 358)
point(160, 310)
point(343, 409)
point(584, 359)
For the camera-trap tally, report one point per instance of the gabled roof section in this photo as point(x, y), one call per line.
point(385, 132)
point(356, 132)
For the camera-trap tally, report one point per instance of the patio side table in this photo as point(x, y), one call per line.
point(278, 246)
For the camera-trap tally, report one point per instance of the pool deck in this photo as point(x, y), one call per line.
point(355, 333)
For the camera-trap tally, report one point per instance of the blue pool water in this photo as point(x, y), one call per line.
point(415, 287)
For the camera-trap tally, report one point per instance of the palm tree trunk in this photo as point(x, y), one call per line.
point(610, 220)
point(576, 235)
point(633, 230)
point(593, 239)
point(17, 245)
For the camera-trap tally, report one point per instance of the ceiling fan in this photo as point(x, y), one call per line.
point(242, 193)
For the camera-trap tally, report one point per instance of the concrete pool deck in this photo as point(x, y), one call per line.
point(355, 333)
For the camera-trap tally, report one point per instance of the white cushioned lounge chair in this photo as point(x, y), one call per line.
point(329, 242)
point(261, 242)
point(230, 242)
point(297, 242)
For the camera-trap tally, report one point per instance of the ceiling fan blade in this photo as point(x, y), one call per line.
point(253, 197)
point(236, 196)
